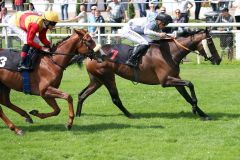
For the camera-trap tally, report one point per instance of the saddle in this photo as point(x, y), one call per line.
point(9, 58)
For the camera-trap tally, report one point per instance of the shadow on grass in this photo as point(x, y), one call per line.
point(91, 128)
point(169, 115)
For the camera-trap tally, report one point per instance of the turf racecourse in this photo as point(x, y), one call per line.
point(164, 128)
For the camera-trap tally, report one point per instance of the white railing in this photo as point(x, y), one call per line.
point(109, 35)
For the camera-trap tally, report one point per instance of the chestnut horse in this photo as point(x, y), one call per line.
point(45, 79)
point(160, 65)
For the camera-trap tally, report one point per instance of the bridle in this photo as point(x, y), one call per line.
point(91, 54)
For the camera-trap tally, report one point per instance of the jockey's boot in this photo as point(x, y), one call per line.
point(22, 65)
point(137, 53)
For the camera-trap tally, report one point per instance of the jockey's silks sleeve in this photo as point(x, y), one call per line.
point(43, 37)
point(33, 28)
point(151, 29)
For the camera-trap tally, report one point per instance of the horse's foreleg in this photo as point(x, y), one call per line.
point(112, 89)
point(9, 123)
point(90, 89)
point(49, 96)
point(180, 86)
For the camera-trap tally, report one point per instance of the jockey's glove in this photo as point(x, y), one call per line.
point(162, 35)
point(46, 49)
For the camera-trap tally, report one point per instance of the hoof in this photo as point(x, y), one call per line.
point(68, 126)
point(29, 120)
point(19, 132)
point(207, 118)
point(131, 116)
point(78, 114)
point(194, 111)
point(34, 112)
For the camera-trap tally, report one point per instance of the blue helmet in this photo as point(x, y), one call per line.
point(164, 18)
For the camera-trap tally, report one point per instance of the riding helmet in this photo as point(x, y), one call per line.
point(51, 16)
point(165, 18)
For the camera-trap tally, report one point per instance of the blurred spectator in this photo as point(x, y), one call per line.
point(155, 3)
point(50, 5)
point(31, 7)
point(178, 19)
point(142, 7)
point(185, 6)
point(223, 4)
point(217, 5)
point(163, 9)
point(226, 39)
point(81, 17)
point(151, 13)
point(116, 14)
point(99, 30)
point(91, 19)
point(225, 17)
point(4, 18)
point(214, 4)
point(91, 3)
point(198, 5)
point(99, 19)
point(64, 9)
point(18, 5)
point(2, 4)
point(236, 5)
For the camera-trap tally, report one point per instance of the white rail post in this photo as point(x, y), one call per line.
point(237, 38)
point(6, 36)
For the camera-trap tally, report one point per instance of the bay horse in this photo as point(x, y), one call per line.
point(45, 79)
point(160, 65)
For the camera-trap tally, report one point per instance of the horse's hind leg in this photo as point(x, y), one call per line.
point(5, 100)
point(180, 86)
point(9, 123)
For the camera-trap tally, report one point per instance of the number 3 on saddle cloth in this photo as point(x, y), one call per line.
point(9, 59)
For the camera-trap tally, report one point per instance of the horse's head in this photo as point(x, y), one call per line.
point(206, 47)
point(86, 44)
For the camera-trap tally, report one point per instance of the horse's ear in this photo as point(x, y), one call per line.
point(74, 30)
point(207, 30)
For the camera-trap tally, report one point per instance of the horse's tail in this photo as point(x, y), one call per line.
point(77, 59)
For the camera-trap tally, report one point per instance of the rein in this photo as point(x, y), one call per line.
point(186, 48)
point(89, 54)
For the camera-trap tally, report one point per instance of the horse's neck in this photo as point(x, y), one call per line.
point(64, 52)
point(182, 49)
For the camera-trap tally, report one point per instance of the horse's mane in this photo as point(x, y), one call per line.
point(189, 32)
point(54, 48)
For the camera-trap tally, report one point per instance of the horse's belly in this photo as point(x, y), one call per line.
point(11, 79)
point(145, 77)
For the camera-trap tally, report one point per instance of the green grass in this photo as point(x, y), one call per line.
point(164, 128)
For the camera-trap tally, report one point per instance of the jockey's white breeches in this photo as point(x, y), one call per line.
point(130, 34)
point(20, 32)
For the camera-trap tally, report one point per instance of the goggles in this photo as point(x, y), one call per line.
point(52, 23)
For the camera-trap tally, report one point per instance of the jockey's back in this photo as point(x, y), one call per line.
point(24, 19)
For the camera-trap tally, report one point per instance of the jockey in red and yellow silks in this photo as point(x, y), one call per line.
point(26, 25)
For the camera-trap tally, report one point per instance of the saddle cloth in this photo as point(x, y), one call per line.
point(119, 53)
point(9, 59)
